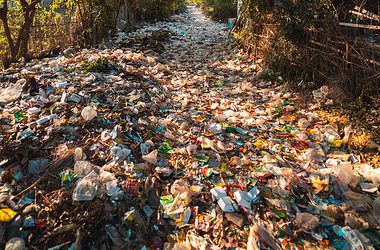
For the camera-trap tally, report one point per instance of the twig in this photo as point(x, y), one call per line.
point(358, 25)
point(47, 200)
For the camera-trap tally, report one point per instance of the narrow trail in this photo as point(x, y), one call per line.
point(181, 148)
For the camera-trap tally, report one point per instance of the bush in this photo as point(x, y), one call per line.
point(32, 30)
point(219, 10)
point(223, 10)
point(286, 34)
point(99, 65)
point(154, 10)
point(98, 18)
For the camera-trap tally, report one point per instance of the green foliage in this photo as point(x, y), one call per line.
point(223, 9)
point(298, 16)
point(283, 33)
point(99, 65)
point(45, 19)
point(219, 10)
point(291, 19)
point(161, 9)
point(97, 20)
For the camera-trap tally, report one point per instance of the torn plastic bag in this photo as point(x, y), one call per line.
point(86, 189)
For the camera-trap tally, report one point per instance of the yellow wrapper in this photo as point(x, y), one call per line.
point(7, 214)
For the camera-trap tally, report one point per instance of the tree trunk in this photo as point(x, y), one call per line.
point(4, 18)
point(19, 48)
point(25, 35)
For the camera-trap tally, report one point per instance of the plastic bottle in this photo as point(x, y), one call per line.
point(46, 119)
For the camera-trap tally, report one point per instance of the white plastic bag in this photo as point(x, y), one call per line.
point(11, 93)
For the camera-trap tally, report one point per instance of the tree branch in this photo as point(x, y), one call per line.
point(33, 3)
point(24, 4)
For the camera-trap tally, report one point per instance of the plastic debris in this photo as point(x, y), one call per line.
point(15, 244)
point(88, 113)
point(164, 138)
point(151, 157)
point(35, 166)
point(11, 93)
point(86, 189)
point(7, 214)
point(83, 168)
point(259, 233)
point(307, 221)
point(346, 174)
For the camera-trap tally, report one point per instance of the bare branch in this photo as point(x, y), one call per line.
point(34, 3)
point(24, 3)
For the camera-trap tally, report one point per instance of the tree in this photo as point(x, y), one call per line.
point(18, 44)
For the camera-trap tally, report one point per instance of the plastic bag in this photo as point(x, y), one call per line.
point(88, 113)
point(15, 244)
point(152, 157)
point(120, 153)
point(83, 168)
point(216, 128)
point(307, 221)
point(86, 189)
point(113, 190)
point(35, 166)
point(369, 173)
point(359, 202)
point(11, 93)
point(346, 175)
point(321, 93)
point(79, 155)
point(180, 187)
point(259, 233)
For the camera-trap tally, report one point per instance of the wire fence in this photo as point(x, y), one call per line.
point(346, 51)
point(48, 36)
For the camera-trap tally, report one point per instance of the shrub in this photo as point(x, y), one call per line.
point(219, 10)
point(99, 65)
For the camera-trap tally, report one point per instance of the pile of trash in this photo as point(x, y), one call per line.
point(128, 147)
